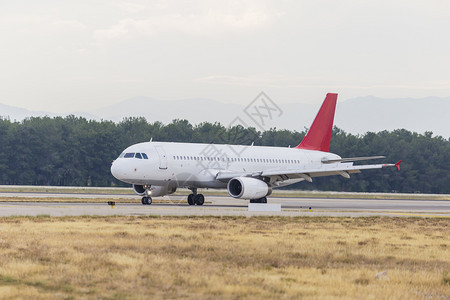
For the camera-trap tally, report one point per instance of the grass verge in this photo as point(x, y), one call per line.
point(221, 192)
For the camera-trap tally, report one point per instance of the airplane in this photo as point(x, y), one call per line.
point(247, 172)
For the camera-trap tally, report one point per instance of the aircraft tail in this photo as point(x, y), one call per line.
point(318, 136)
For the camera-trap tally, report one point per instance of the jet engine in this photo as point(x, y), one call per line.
point(153, 190)
point(248, 188)
point(140, 189)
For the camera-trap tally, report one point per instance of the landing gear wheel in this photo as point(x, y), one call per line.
point(146, 200)
point(199, 199)
point(260, 200)
point(191, 199)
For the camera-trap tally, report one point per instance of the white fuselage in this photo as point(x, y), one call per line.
point(197, 165)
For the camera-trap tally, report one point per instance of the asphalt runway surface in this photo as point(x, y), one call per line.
point(218, 206)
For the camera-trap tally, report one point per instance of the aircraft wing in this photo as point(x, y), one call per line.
point(274, 176)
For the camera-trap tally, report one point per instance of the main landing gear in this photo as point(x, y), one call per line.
point(146, 200)
point(260, 200)
point(195, 198)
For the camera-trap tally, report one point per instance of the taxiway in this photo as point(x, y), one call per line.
point(22, 205)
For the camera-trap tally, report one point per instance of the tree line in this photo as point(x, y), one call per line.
point(74, 151)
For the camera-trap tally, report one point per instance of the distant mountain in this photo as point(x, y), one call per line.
point(364, 114)
point(196, 110)
point(18, 114)
point(356, 116)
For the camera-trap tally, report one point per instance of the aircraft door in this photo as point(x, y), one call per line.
point(162, 157)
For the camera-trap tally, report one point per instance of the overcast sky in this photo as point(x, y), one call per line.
point(65, 56)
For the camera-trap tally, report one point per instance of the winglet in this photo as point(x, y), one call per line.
point(319, 134)
point(398, 165)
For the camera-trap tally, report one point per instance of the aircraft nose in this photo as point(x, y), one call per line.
point(115, 170)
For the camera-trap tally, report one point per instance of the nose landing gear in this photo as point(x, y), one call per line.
point(195, 198)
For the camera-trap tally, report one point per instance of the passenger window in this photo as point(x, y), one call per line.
point(138, 155)
point(129, 155)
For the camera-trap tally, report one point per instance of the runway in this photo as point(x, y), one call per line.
point(222, 206)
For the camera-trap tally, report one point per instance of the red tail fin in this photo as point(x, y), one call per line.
point(319, 135)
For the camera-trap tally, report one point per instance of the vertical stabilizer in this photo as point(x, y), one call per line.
point(319, 134)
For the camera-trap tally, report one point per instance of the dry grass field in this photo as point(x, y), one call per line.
point(224, 257)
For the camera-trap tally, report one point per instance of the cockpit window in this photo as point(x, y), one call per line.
point(134, 154)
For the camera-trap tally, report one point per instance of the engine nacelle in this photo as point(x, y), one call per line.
point(153, 190)
point(248, 188)
point(140, 189)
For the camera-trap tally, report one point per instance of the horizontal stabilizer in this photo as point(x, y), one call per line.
point(330, 161)
point(397, 165)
